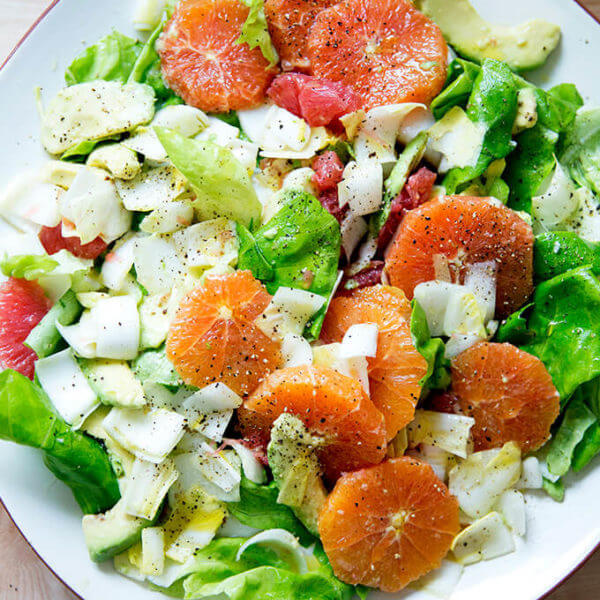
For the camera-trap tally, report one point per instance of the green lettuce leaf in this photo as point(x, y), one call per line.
point(432, 350)
point(154, 366)
point(256, 33)
point(556, 489)
point(459, 85)
point(258, 507)
point(27, 417)
point(301, 244)
point(221, 184)
point(580, 152)
point(558, 106)
point(557, 252)
point(492, 104)
point(27, 266)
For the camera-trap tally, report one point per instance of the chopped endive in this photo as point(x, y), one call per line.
point(295, 351)
point(222, 471)
point(531, 475)
point(212, 425)
point(329, 355)
point(114, 382)
point(146, 487)
point(300, 179)
point(288, 312)
point(218, 132)
point(457, 139)
point(94, 209)
point(169, 217)
point(485, 539)
point(445, 431)
point(118, 263)
point(60, 172)
point(148, 434)
point(353, 228)
point(119, 161)
point(361, 187)
point(556, 201)
point(208, 244)
point(213, 398)
point(66, 386)
point(442, 581)
point(157, 263)
point(251, 466)
point(80, 336)
point(94, 110)
point(117, 325)
point(360, 340)
point(152, 188)
point(480, 278)
point(148, 13)
point(438, 459)
point(511, 505)
point(283, 543)
point(480, 480)
point(154, 320)
point(153, 551)
point(65, 275)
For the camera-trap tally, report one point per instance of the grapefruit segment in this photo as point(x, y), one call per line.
point(387, 525)
point(53, 241)
point(23, 304)
point(387, 50)
point(201, 61)
point(462, 231)
point(397, 368)
point(214, 338)
point(332, 406)
point(508, 392)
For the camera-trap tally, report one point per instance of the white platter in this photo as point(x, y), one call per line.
point(559, 537)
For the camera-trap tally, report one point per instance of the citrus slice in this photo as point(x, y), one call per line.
point(53, 241)
point(508, 392)
point(23, 304)
point(386, 49)
point(388, 525)
point(397, 368)
point(202, 62)
point(457, 231)
point(214, 338)
point(332, 406)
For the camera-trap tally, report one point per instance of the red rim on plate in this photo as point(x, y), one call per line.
point(67, 586)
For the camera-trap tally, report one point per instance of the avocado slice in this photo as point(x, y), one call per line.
point(523, 47)
point(109, 533)
point(296, 469)
point(44, 338)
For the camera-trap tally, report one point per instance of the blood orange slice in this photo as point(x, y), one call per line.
point(202, 62)
point(388, 525)
point(461, 231)
point(386, 49)
point(289, 24)
point(509, 393)
point(331, 405)
point(23, 304)
point(213, 336)
point(395, 372)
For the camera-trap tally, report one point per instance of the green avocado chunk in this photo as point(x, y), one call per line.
point(523, 47)
point(110, 533)
point(296, 469)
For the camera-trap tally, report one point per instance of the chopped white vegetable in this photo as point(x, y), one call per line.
point(152, 188)
point(511, 505)
point(119, 161)
point(146, 17)
point(586, 221)
point(366, 253)
point(94, 110)
point(445, 431)
point(353, 229)
point(148, 434)
point(65, 274)
point(460, 342)
point(81, 336)
point(212, 425)
point(480, 480)
point(147, 486)
point(253, 121)
point(441, 582)
point(329, 355)
point(251, 466)
point(118, 263)
point(480, 278)
point(283, 542)
point(531, 475)
point(300, 179)
point(221, 472)
point(360, 340)
point(117, 328)
point(157, 263)
point(153, 551)
point(485, 539)
point(416, 121)
point(362, 187)
point(288, 312)
point(154, 320)
point(208, 244)
point(437, 458)
point(295, 351)
point(457, 139)
point(93, 207)
point(213, 398)
point(168, 217)
point(59, 172)
point(13, 242)
point(556, 201)
point(218, 132)
point(69, 391)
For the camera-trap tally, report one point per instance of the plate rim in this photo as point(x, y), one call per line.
point(10, 56)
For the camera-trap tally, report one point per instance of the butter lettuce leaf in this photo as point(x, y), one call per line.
point(459, 85)
point(557, 107)
point(221, 183)
point(557, 252)
point(27, 266)
point(27, 417)
point(493, 105)
point(255, 32)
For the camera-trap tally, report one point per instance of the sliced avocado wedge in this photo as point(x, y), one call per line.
point(109, 533)
point(523, 47)
point(296, 469)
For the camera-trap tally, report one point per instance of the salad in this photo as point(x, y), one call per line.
point(303, 302)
